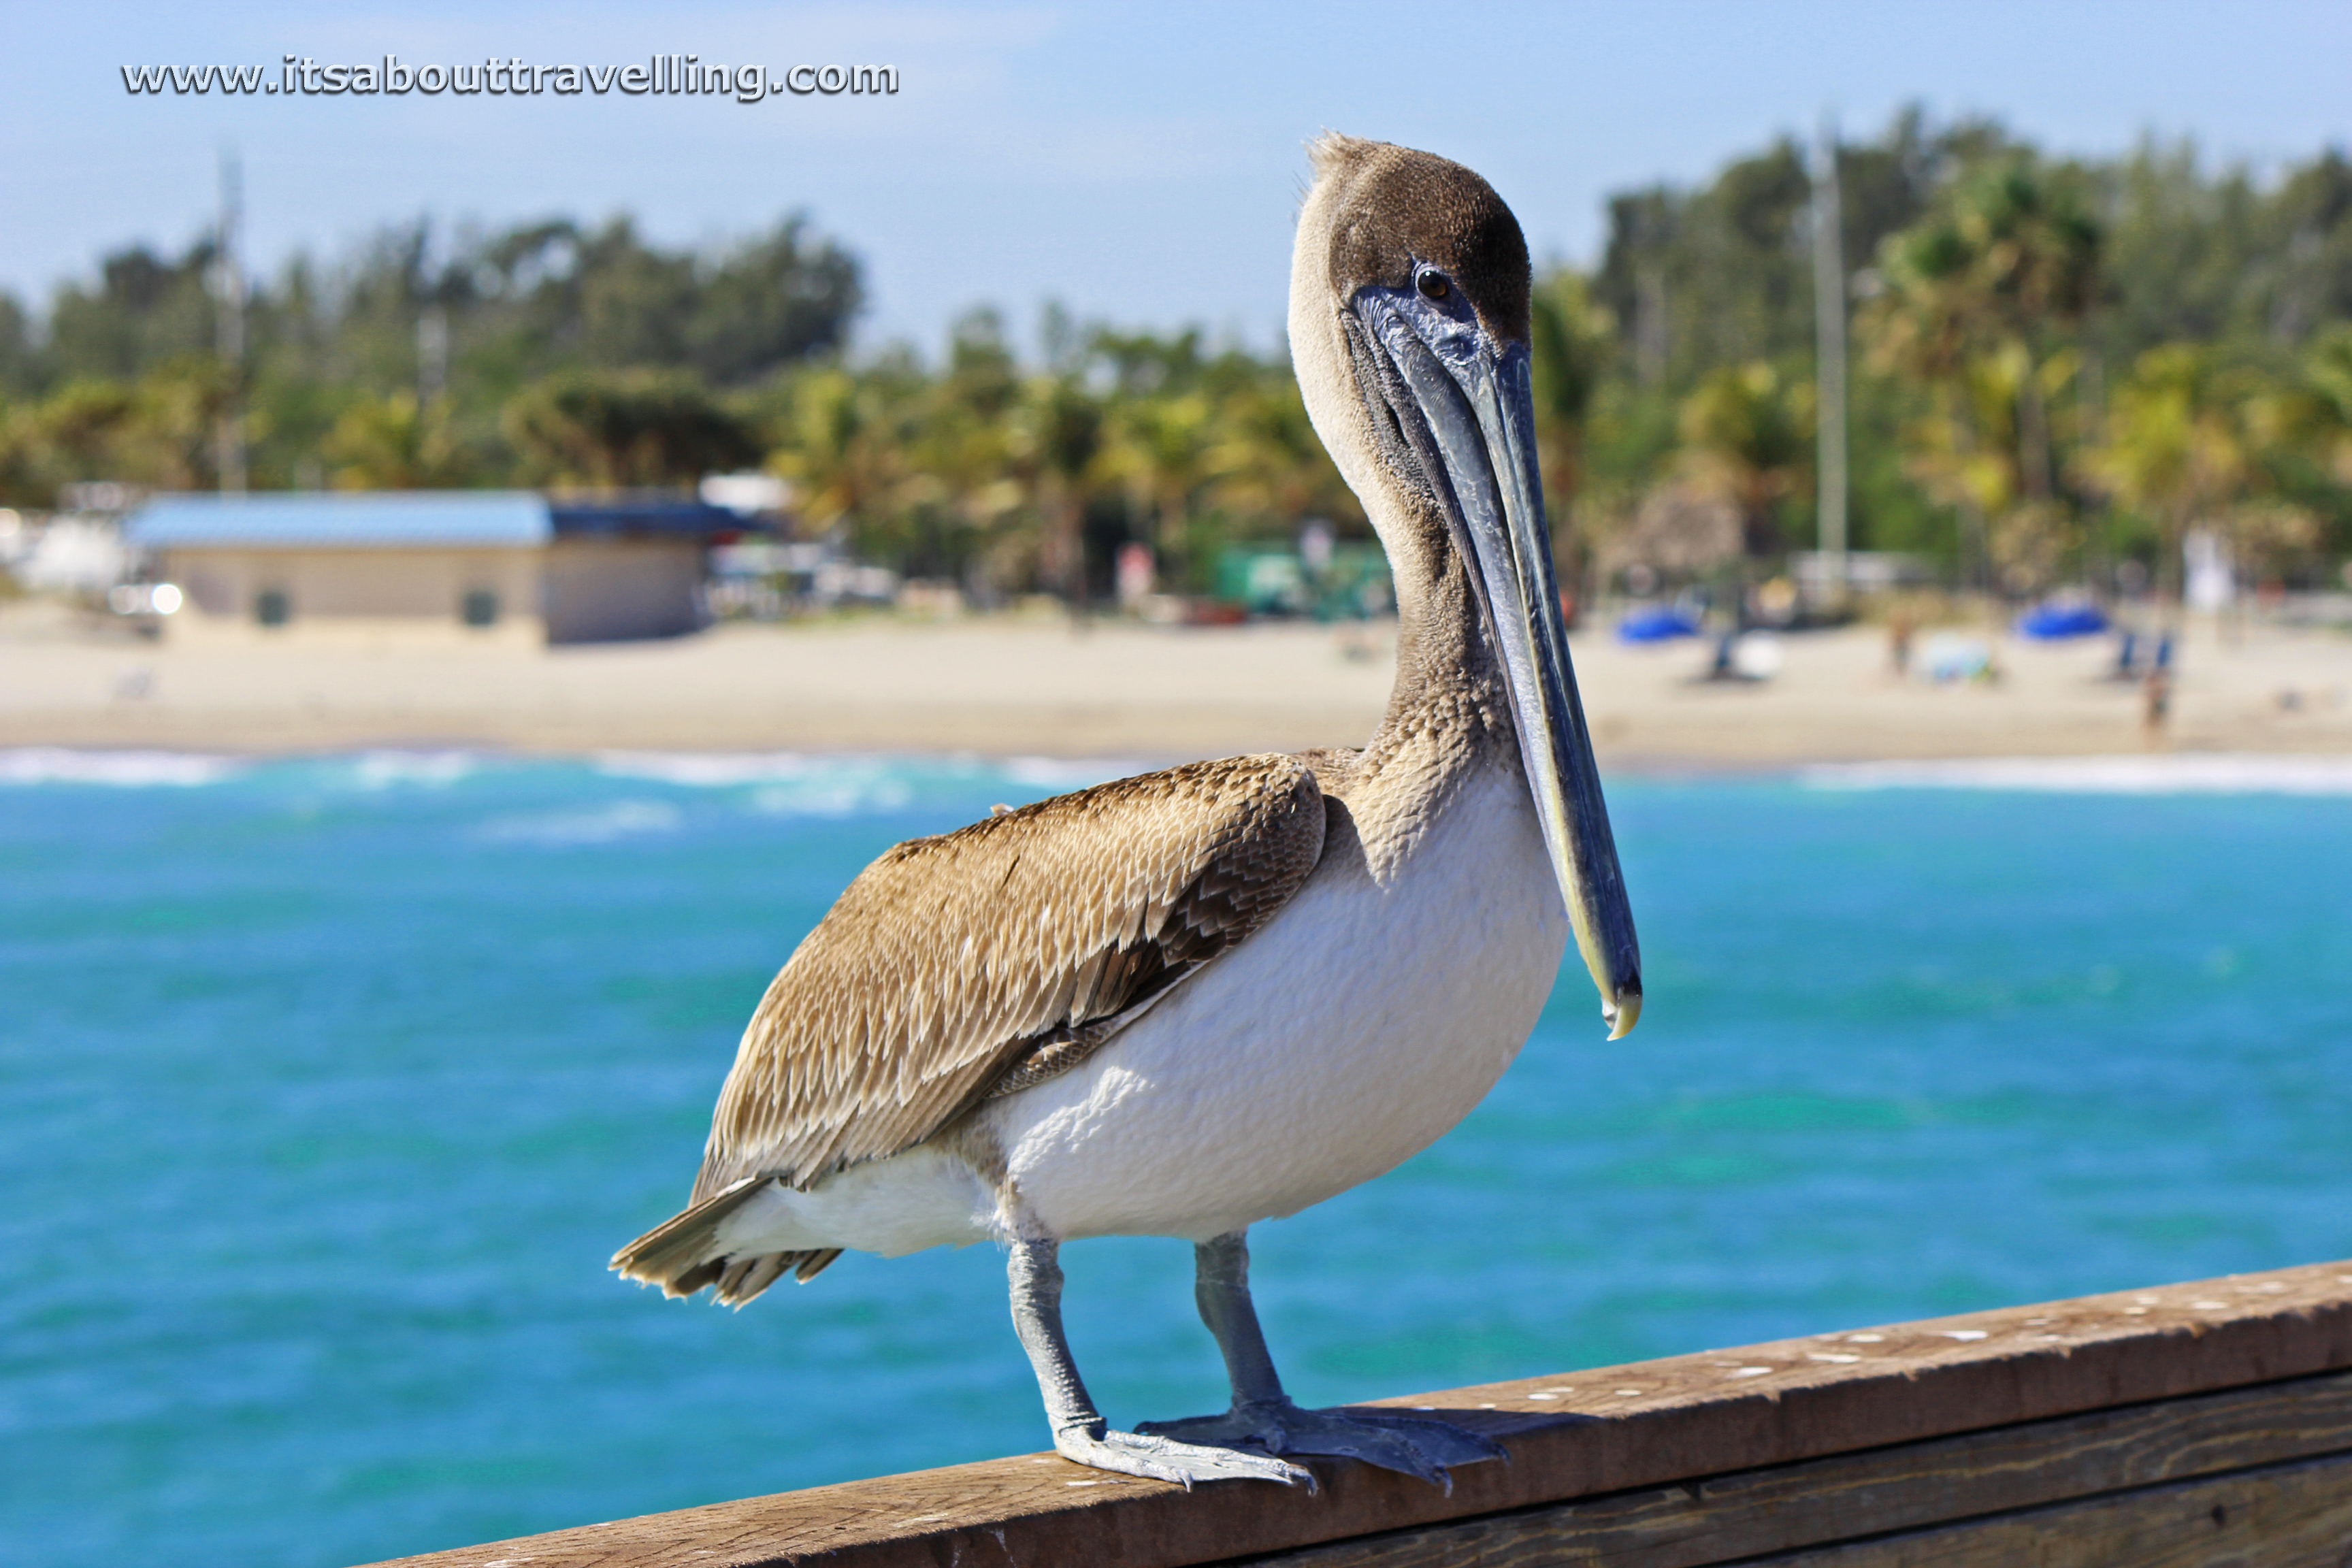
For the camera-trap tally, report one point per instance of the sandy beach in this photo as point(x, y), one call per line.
point(1009, 687)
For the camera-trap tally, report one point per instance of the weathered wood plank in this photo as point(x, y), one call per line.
point(1619, 1429)
point(2287, 1516)
point(1906, 1488)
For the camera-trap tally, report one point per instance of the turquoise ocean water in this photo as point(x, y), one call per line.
point(329, 1086)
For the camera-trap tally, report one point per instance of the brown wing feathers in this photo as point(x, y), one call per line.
point(978, 959)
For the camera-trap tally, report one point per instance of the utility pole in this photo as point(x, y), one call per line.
point(1829, 337)
point(228, 271)
point(432, 354)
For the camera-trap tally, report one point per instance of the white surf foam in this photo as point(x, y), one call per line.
point(708, 769)
point(794, 784)
point(599, 825)
point(728, 769)
point(2212, 772)
point(59, 764)
point(832, 796)
point(389, 769)
point(1056, 773)
point(781, 783)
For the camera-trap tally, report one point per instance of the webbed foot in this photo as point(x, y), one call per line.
point(1412, 1444)
point(1160, 1458)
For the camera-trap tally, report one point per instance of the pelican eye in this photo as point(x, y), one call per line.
point(1432, 284)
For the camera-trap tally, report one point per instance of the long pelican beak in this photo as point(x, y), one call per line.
point(1464, 405)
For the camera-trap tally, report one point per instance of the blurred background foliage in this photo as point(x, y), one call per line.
point(2059, 366)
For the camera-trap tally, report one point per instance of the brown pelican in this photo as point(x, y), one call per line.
point(1182, 1002)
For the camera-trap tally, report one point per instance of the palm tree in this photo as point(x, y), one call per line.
point(1747, 437)
point(620, 429)
point(2035, 258)
point(392, 443)
point(1979, 303)
point(840, 445)
point(1574, 340)
point(1063, 443)
point(2314, 416)
point(157, 431)
point(965, 486)
point(2178, 446)
point(1158, 445)
point(1263, 459)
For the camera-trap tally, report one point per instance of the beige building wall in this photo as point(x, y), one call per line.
point(424, 585)
point(604, 590)
point(583, 590)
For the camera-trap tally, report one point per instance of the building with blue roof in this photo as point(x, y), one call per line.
point(581, 570)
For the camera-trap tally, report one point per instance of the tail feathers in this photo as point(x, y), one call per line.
point(681, 1255)
point(745, 1277)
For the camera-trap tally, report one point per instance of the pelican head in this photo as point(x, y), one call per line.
point(1409, 330)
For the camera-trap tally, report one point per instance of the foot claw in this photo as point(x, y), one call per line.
point(1412, 1445)
point(1157, 1457)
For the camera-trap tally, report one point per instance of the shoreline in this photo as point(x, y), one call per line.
point(2172, 773)
point(1008, 689)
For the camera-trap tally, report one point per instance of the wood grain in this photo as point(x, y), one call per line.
point(1585, 1435)
point(2285, 1515)
point(1885, 1490)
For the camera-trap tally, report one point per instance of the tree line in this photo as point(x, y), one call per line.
point(2059, 366)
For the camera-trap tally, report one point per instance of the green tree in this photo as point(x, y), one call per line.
point(1982, 303)
point(145, 311)
point(1265, 462)
point(1747, 439)
point(624, 429)
point(1065, 440)
point(1573, 342)
point(20, 366)
point(1160, 448)
point(2178, 448)
point(2312, 415)
point(155, 432)
point(844, 445)
point(393, 443)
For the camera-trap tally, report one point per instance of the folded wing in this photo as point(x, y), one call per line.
point(987, 960)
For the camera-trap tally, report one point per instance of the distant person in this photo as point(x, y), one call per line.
point(1898, 644)
point(2158, 705)
point(1721, 669)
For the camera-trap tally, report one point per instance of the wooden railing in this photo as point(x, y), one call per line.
point(2202, 1424)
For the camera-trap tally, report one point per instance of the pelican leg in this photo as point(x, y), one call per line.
point(1079, 1431)
point(1263, 1415)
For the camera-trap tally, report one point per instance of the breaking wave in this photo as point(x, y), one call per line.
point(130, 770)
point(391, 770)
point(2218, 773)
point(791, 784)
point(598, 824)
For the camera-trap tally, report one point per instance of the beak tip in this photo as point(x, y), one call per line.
point(1622, 1014)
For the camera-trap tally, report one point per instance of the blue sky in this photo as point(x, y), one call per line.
point(1141, 164)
